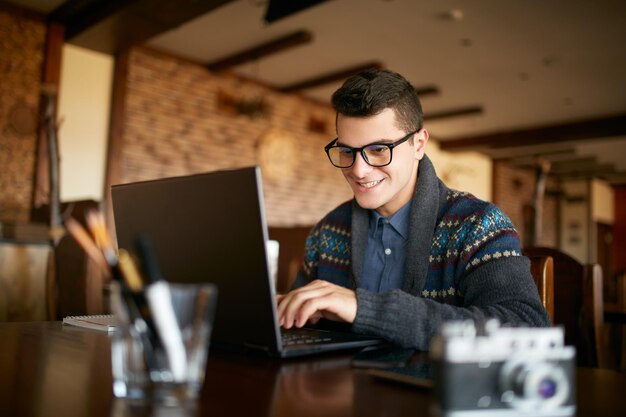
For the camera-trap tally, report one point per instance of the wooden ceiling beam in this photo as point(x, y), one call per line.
point(292, 40)
point(458, 112)
point(427, 90)
point(278, 9)
point(331, 77)
point(21, 11)
point(611, 126)
point(521, 155)
point(79, 15)
point(345, 73)
point(594, 171)
point(110, 26)
point(617, 178)
point(574, 164)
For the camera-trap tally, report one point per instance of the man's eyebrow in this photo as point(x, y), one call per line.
point(376, 142)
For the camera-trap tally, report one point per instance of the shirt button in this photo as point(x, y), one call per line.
point(387, 251)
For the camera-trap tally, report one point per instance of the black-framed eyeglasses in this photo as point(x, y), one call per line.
point(374, 154)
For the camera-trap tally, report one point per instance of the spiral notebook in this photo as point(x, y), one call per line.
point(103, 322)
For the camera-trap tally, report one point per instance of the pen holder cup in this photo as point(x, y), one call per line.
point(161, 341)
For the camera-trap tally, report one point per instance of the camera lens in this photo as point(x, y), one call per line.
point(533, 384)
point(547, 388)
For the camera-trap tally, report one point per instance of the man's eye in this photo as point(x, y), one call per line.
point(345, 151)
point(376, 149)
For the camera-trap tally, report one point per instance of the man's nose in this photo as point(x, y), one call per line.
point(360, 168)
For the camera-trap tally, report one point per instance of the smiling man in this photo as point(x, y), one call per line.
point(407, 253)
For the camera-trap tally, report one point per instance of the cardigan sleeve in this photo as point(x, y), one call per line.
point(491, 292)
point(493, 280)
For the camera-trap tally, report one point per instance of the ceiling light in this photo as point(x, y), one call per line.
point(455, 15)
point(550, 60)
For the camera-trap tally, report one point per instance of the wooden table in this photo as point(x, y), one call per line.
point(50, 370)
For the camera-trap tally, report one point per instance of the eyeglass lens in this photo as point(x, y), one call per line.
point(375, 155)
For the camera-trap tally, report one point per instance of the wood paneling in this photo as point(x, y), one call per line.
point(24, 281)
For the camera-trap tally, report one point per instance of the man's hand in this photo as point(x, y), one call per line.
point(316, 300)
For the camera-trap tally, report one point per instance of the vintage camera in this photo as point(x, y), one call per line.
point(506, 371)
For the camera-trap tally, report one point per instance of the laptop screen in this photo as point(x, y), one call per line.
point(208, 228)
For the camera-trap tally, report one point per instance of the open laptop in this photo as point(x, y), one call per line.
point(211, 228)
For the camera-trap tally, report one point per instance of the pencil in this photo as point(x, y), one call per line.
point(129, 271)
point(97, 225)
point(79, 233)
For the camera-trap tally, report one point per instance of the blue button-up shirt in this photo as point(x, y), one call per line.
point(383, 268)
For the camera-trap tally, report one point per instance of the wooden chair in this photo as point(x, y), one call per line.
point(578, 305)
point(542, 270)
point(290, 254)
point(26, 279)
point(621, 291)
point(79, 286)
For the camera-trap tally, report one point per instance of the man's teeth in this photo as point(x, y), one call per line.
point(369, 184)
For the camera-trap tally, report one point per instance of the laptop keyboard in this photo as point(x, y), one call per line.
point(304, 336)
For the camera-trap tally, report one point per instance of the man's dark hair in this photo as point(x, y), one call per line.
point(370, 92)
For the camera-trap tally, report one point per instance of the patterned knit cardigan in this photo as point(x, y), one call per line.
point(463, 262)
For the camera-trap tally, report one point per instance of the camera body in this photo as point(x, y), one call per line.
point(504, 371)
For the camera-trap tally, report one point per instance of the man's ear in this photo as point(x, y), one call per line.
point(420, 140)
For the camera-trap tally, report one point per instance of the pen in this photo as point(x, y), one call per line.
point(159, 298)
point(124, 271)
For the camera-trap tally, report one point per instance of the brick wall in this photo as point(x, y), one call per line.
point(22, 42)
point(174, 126)
point(513, 190)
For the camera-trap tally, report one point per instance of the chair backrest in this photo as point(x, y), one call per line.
point(26, 273)
point(621, 291)
point(594, 302)
point(542, 270)
point(578, 305)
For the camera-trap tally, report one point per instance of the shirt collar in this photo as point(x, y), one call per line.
point(399, 220)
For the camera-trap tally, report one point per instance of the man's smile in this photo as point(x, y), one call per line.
point(370, 184)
